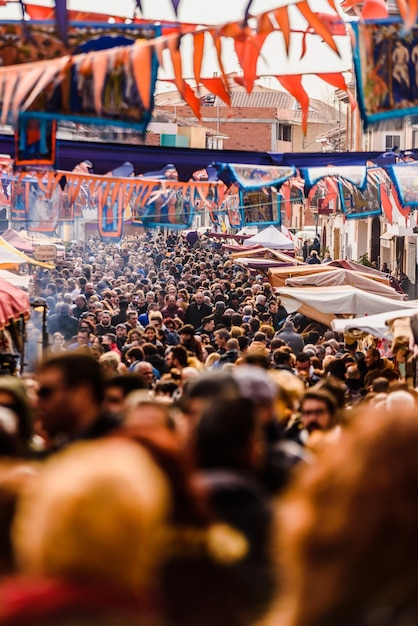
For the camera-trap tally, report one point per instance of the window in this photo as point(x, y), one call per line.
point(392, 141)
point(284, 132)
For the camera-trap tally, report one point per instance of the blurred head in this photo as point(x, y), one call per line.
point(70, 393)
point(120, 540)
point(318, 410)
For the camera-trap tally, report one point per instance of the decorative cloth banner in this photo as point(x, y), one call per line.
point(405, 179)
point(231, 206)
point(110, 211)
point(19, 201)
point(41, 40)
point(380, 177)
point(355, 174)
point(114, 86)
point(253, 176)
point(385, 61)
point(259, 207)
point(171, 205)
point(35, 141)
point(357, 203)
point(36, 204)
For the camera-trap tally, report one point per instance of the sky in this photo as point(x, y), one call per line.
point(273, 59)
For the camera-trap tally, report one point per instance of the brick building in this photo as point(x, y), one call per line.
point(265, 120)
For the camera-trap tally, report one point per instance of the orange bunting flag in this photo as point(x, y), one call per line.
point(9, 87)
point(386, 201)
point(264, 23)
point(293, 84)
point(374, 10)
point(217, 87)
point(282, 18)
point(100, 63)
point(218, 47)
point(411, 15)
point(199, 44)
point(317, 25)
point(141, 57)
point(285, 193)
point(190, 97)
point(248, 51)
point(337, 80)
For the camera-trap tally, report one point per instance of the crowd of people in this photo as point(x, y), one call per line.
point(186, 452)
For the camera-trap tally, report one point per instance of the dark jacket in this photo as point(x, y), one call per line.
point(195, 313)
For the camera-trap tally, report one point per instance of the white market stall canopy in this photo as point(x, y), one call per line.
point(17, 280)
point(340, 277)
point(377, 325)
point(270, 238)
point(325, 303)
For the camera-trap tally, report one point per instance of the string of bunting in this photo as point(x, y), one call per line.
point(43, 199)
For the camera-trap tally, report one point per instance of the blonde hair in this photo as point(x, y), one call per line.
point(212, 358)
point(84, 519)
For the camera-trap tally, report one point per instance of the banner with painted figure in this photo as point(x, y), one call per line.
point(231, 206)
point(259, 208)
point(43, 207)
point(170, 205)
point(253, 176)
point(386, 68)
point(19, 200)
point(357, 203)
point(111, 199)
point(355, 174)
point(36, 40)
point(35, 141)
point(405, 179)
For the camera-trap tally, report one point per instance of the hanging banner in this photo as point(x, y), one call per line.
point(253, 176)
point(43, 208)
point(231, 206)
point(356, 203)
point(6, 186)
point(110, 211)
point(37, 40)
point(385, 61)
point(171, 205)
point(355, 174)
point(19, 200)
point(405, 179)
point(35, 141)
point(259, 208)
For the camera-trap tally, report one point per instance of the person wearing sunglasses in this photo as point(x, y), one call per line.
point(70, 396)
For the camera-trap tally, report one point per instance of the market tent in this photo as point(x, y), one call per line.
point(17, 280)
point(26, 242)
point(17, 241)
point(340, 277)
point(278, 276)
point(261, 264)
point(270, 238)
point(358, 267)
point(10, 258)
point(377, 325)
point(325, 303)
point(13, 303)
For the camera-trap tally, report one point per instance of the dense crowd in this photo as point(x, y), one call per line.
point(188, 453)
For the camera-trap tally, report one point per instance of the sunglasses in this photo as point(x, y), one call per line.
point(46, 392)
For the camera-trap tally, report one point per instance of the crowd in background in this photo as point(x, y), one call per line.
point(188, 453)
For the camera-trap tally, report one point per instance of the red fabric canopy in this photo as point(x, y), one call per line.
point(13, 303)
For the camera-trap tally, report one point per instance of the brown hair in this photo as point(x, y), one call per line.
point(350, 524)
